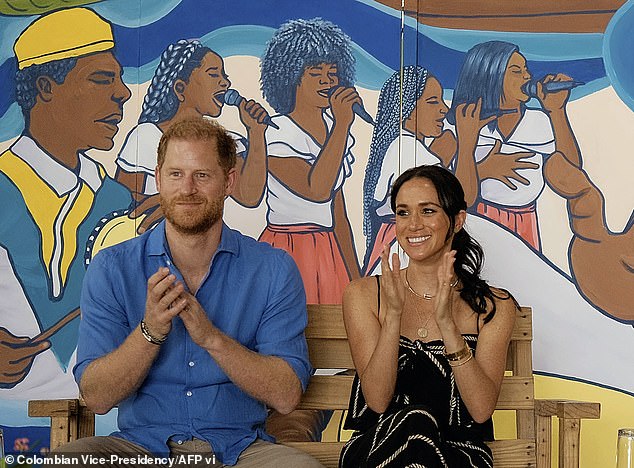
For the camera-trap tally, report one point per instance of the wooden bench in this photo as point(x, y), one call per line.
point(328, 348)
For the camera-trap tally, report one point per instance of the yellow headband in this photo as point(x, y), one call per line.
point(63, 34)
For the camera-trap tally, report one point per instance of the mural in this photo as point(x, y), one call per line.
point(532, 109)
point(71, 95)
point(308, 77)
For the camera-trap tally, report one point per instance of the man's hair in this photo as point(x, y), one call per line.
point(197, 129)
point(25, 80)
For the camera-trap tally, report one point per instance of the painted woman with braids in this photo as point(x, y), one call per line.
point(190, 80)
point(429, 342)
point(307, 75)
point(419, 140)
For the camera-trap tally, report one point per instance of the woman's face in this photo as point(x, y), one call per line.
point(515, 76)
point(421, 223)
point(426, 120)
point(206, 84)
point(315, 84)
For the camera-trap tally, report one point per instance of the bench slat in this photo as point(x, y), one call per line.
point(333, 392)
point(507, 453)
point(329, 354)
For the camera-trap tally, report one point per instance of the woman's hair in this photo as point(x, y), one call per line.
point(469, 254)
point(482, 77)
point(386, 130)
point(178, 61)
point(295, 46)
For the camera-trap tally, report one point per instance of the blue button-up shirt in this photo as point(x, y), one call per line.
point(252, 292)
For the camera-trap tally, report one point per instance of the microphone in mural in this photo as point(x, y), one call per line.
point(530, 88)
point(486, 113)
point(233, 98)
point(357, 108)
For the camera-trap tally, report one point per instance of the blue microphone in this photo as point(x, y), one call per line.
point(485, 113)
point(357, 109)
point(233, 98)
point(530, 88)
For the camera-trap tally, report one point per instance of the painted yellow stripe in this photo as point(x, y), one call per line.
point(41, 200)
point(76, 215)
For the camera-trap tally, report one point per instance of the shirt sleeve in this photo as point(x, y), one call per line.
point(104, 325)
point(281, 330)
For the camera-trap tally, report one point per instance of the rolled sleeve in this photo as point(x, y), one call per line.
point(104, 324)
point(281, 330)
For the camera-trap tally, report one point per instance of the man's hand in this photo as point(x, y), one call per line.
point(164, 301)
point(16, 357)
point(198, 325)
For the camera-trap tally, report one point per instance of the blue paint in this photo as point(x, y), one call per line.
point(242, 27)
point(12, 122)
point(617, 50)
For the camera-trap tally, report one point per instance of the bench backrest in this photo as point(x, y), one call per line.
point(328, 348)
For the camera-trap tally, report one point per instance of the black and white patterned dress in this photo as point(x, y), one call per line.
point(425, 425)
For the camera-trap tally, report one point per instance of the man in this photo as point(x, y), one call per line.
point(193, 329)
point(69, 87)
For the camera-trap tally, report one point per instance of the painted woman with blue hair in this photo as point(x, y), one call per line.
point(307, 75)
point(420, 139)
point(190, 80)
point(511, 150)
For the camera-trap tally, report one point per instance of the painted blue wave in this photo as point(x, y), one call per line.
point(242, 27)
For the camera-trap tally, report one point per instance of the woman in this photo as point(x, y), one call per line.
point(421, 393)
point(419, 139)
point(190, 80)
point(511, 151)
point(307, 75)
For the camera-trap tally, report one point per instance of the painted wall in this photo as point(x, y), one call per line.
point(574, 265)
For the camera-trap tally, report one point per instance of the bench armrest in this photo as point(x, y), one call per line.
point(70, 419)
point(570, 414)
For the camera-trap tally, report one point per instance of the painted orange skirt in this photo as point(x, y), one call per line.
point(522, 221)
point(386, 235)
point(318, 257)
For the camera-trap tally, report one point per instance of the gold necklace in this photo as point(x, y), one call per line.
point(423, 331)
point(425, 296)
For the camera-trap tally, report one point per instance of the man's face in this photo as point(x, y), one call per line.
point(192, 185)
point(89, 103)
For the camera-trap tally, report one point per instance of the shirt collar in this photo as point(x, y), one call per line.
point(58, 177)
point(157, 242)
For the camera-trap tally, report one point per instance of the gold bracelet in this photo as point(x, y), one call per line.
point(462, 362)
point(458, 355)
point(151, 338)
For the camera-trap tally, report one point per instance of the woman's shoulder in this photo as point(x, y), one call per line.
point(361, 290)
point(505, 303)
point(362, 285)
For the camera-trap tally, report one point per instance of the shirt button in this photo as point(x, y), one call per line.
point(189, 393)
point(191, 363)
